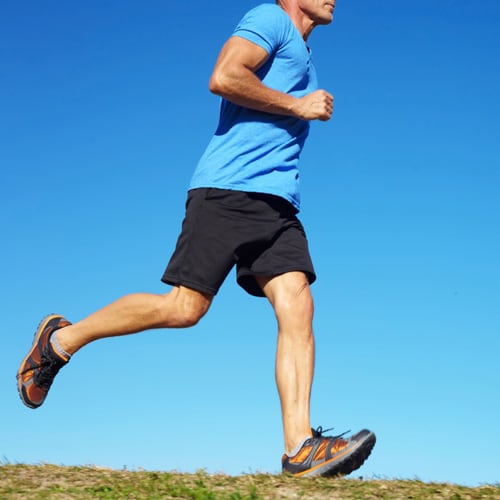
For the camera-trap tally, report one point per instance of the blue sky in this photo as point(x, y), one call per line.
point(104, 113)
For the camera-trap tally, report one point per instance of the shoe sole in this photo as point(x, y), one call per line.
point(352, 459)
point(38, 333)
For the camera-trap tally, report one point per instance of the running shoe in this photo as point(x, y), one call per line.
point(40, 366)
point(330, 455)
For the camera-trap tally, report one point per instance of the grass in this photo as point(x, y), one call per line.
point(19, 481)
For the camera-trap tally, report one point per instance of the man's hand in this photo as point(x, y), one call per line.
point(317, 105)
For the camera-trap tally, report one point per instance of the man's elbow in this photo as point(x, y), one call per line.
point(214, 85)
point(219, 84)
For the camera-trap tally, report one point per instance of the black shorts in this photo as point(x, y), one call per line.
point(260, 233)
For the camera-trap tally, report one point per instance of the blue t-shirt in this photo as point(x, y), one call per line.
point(255, 151)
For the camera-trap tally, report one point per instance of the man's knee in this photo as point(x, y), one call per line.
point(191, 314)
point(299, 303)
point(185, 307)
point(293, 298)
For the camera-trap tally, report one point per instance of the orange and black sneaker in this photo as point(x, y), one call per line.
point(40, 366)
point(330, 455)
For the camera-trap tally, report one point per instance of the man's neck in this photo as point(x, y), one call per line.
point(303, 23)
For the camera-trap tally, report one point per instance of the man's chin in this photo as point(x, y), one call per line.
point(324, 21)
point(327, 18)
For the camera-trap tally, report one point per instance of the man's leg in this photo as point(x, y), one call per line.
point(291, 298)
point(56, 339)
point(307, 452)
point(182, 307)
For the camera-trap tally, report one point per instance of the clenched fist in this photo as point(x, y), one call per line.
point(317, 105)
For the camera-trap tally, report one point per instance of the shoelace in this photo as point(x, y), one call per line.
point(47, 371)
point(318, 432)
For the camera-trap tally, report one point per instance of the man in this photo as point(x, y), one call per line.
point(241, 210)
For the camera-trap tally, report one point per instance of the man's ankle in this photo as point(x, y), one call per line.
point(57, 347)
point(298, 447)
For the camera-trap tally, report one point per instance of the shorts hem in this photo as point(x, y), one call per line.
point(245, 281)
point(173, 281)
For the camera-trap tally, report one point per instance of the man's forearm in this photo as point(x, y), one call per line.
point(244, 88)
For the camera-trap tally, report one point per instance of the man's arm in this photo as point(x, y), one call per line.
point(234, 79)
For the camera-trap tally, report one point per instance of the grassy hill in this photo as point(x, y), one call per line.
point(54, 482)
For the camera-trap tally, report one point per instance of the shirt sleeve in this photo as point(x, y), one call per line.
point(263, 26)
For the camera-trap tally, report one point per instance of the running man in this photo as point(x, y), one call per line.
point(241, 211)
